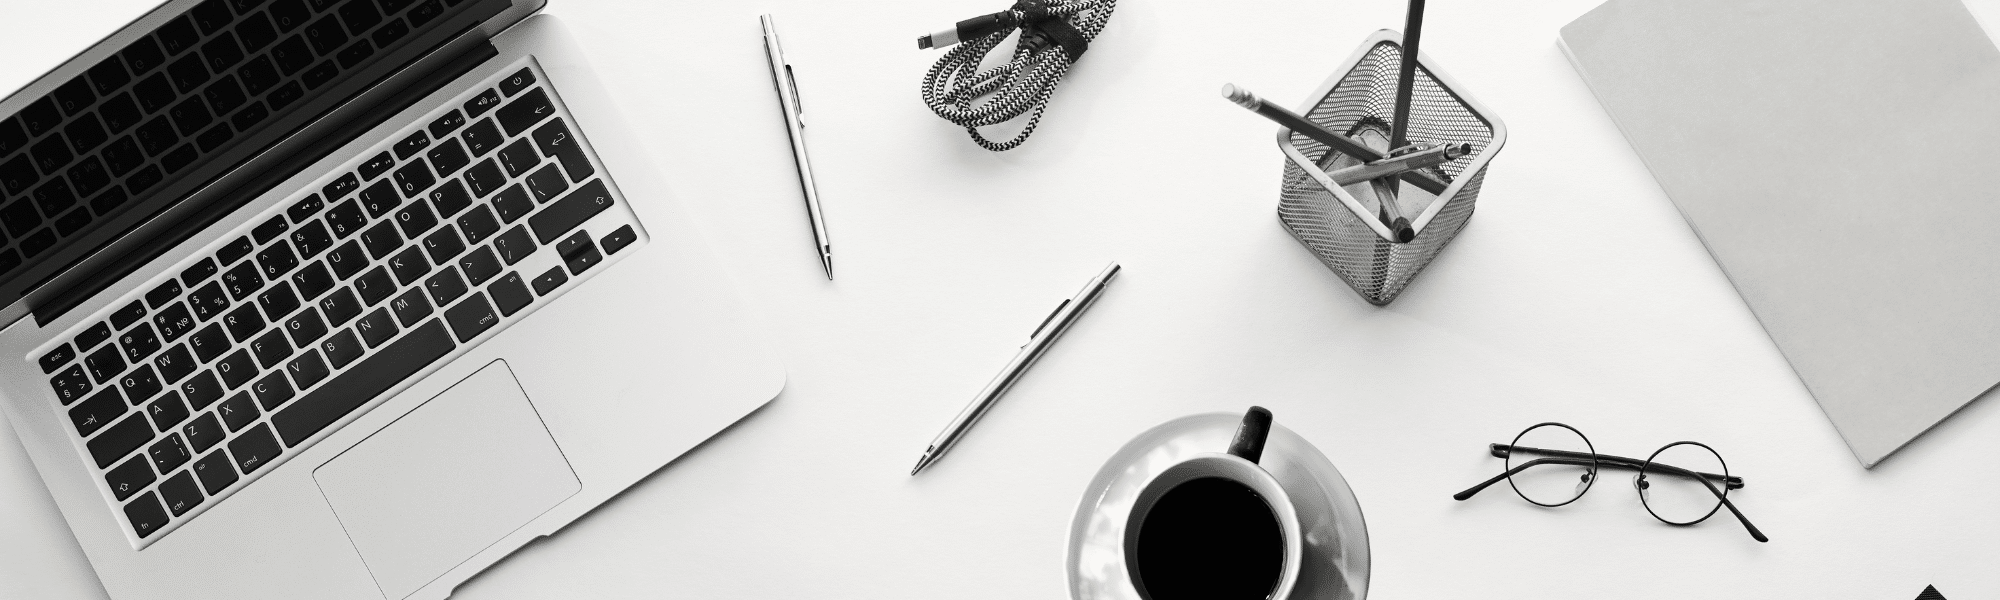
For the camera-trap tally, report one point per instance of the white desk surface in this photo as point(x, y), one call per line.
point(1577, 294)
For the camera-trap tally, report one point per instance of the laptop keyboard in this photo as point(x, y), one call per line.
point(191, 89)
point(244, 355)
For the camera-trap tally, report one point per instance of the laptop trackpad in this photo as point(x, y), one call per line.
point(446, 481)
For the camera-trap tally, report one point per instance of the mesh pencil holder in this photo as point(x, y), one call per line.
point(1337, 222)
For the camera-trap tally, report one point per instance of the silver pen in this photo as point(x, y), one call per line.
point(1039, 342)
point(795, 125)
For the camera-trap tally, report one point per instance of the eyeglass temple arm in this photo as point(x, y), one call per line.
point(1755, 533)
point(1502, 450)
point(1510, 472)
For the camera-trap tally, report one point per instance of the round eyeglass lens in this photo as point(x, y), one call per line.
point(1683, 483)
point(1559, 464)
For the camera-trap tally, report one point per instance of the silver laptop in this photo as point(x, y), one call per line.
point(345, 298)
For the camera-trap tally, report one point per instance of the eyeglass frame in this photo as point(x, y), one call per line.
point(1593, 459)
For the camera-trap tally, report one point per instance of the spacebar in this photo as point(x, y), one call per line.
point(374, 375)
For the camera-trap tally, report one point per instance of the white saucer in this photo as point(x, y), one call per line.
point(1335, 565)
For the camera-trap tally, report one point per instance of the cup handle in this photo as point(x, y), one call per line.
point(1249, 442)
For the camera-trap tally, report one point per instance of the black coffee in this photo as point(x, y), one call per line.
point(1210, 539)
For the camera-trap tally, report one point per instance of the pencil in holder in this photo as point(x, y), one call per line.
point(1338, 223)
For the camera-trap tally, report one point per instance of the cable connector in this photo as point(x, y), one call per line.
point(973, 28)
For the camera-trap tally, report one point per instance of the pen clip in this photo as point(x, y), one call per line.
point(1045, 321)
point(798, 102)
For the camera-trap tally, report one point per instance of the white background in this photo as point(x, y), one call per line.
point(1576, 294)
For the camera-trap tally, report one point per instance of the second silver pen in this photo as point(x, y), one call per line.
point(795, 126)
point(1039, 342)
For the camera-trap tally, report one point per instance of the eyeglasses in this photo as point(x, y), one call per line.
point(1682, 483)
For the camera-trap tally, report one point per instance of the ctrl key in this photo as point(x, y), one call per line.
point(146, 515)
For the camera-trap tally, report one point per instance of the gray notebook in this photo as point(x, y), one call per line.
point(1836, 158)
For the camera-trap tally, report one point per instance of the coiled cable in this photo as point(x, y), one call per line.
point(1054, 34)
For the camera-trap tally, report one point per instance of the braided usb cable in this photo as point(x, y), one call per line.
point(1054, 33)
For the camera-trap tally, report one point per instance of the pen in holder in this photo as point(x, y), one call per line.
point(1341, 224)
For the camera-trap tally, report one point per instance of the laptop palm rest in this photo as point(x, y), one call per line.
point(446, 480)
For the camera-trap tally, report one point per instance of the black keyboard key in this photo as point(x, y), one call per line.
point(56, 358)
point(268, 230)
point(290, 14)
point(513, 204)
point(93, 336)
point(101, 409)
point(518, 157)
point(120, 113)
point(276, 260)
point(580, 256)
point(213, 138)
point(408, 265)
point(116, 196)
point(514, 245)
point(377, 327)
point(51, 154)
point(618, 239)
point(174, 364)
point(178, 35)
point(311, 239)
point(381, 239)
point(484, 102)
point(375, 286)
point(555, 140)
point(75, 97)
point(236, 369)
point(146, 515)
point(359, 15)
point(478, 225)
point(445, 286)
point(449, 198)
point(211, 16)
point(174, 322)
point(326, 35)
point(307, 369)
point(520, 80)
point(187, 74)
point(71, 384)
point(271, 348)
point(482, 137)
point(416, 219)
point(411, 307)
point(259, 75)
point(123, 156)
point(38, 241)
point(222, 53)
point(443, 245)
point(164, 293)
point(388, 34)
point(278, 301)
point(85, 133)
point(180, 493)
point(471, 317)
point(446, 124)
point(119, 440)
point(547, 182)
point(510, 294)
point(215, 472)
point(448, 157)
point(209, 343)
point(566, 214)
point(203, 432)
point(41, 117)
point(179, 157)
point(347, 260)
point(319, 74)
point(208, 301)
point(12, 137)
point(167, 412)
point(140, 384)
point(354, 53)
point(380, 198)
point(254, 448)
point(169, 453)
point(239, 410)
point(73, 222)
point(127, 479)
point(342, 348)
point(17, 175)
point(157, 136)
point(272, 391)
point(249, 116)
point(305, 328)
point(479, 266)
point(414, 178)
point(411, 145)
point(201, 390)
point(139, 343)
point(340, 306)
point(143, 56)
point(340, 188)
point(484, 178)
point(304, 209)
point(345, 219)
point(360, 384)
point(550, 280)
point(20, 217)
point(312, 281)
point(237, 249)
point(255, 32)
point(376, 166)
point(242, 281)
point(291, 57)
point(54, 197)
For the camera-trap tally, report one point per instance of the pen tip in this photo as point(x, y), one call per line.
point(920, 465)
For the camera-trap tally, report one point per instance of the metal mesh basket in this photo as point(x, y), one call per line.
point(1334, 222)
